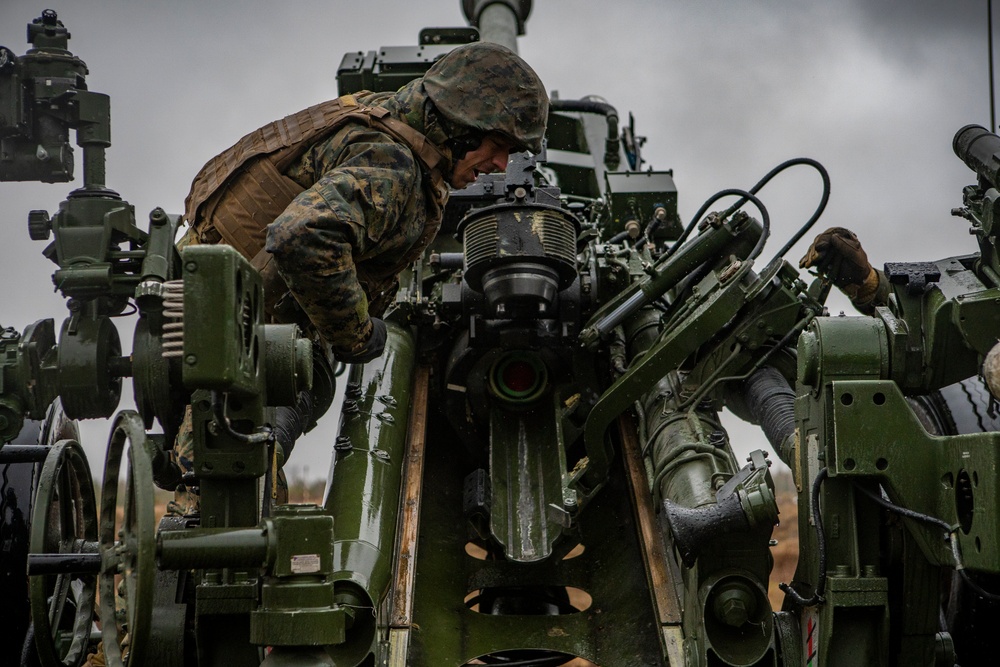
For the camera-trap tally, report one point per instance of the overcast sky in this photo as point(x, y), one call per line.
point(724, 90)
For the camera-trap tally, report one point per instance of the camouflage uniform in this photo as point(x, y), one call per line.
point(369, 207)
point(370, 210)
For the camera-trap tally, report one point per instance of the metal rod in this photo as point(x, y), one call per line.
point(23, 453)
point(989, 33)
point(77, 563)
point(653, 550)
point(212, 547)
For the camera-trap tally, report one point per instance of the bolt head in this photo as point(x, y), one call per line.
point(734, 613)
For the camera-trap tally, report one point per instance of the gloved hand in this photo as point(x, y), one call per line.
point(838, 255)
point(372, 349)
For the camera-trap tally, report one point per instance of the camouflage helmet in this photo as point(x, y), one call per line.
point(489, 88)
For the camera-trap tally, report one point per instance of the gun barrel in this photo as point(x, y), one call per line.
point(498, 21)
point(979, 148)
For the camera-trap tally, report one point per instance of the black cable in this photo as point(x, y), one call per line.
point(819, 209)
point(903, 511)
point(934, 521)
point(756, 188)
point(135, 309)
point(264, 434)
point(745, 196)
point(976, 588)
point(618, 238)
point(817, 597)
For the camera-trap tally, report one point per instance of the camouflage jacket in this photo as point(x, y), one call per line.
point(369, 209)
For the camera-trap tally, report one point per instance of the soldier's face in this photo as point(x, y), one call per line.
point(490, 156)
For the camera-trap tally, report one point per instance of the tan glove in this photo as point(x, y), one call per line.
point(837, 254)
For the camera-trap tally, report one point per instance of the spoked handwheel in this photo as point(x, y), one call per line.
point(63, 560)
point(127, 545)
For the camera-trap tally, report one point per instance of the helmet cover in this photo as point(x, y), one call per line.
point(489, 88)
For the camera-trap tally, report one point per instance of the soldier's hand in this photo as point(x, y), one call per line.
point(838, 255)
point(373, 347)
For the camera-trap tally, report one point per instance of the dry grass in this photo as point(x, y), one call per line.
point(786, 552)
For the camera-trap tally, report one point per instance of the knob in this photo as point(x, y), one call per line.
point(39, 225)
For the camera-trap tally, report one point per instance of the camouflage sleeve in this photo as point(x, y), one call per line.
point(330, 226)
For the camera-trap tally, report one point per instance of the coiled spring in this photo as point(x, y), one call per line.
point(173, 319)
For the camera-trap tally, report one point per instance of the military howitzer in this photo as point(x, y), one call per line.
point(493, 497)
point(222, 361)
point(498, 326)
point(887, 431)
point(899, 421)
point(200, 346)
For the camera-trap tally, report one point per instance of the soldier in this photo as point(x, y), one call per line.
point(369, 193)
point(332, 203)
point(838, 255)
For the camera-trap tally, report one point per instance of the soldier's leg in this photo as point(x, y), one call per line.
point(186, 500)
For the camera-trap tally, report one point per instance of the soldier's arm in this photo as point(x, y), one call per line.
point(837, 254)
point(316, 240)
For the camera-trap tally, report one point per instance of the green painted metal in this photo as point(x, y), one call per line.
point(855, 421)
point(849, 348)
point(220, 275)
point(22, 359)
point(225, 351)
point(294, 606)
point(918, 470)
point(364, 491)
point(288, 363)
point(213, 547)
point(529, 392)
point(951, 320)
point(636, 194)
point(721, 522)
point(715, 304)
point(297, 596)
point(618, 629)
point(88, 385)
point(127, 548)
point(527, 460)
point(64, 522)
point(662, 277)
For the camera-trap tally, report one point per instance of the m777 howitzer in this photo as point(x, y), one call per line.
point(222, 361)
point(896, 435)
point(218, 587)
point(890, 435)
point(535, 470)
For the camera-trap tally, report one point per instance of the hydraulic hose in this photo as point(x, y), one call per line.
point(771, 401)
